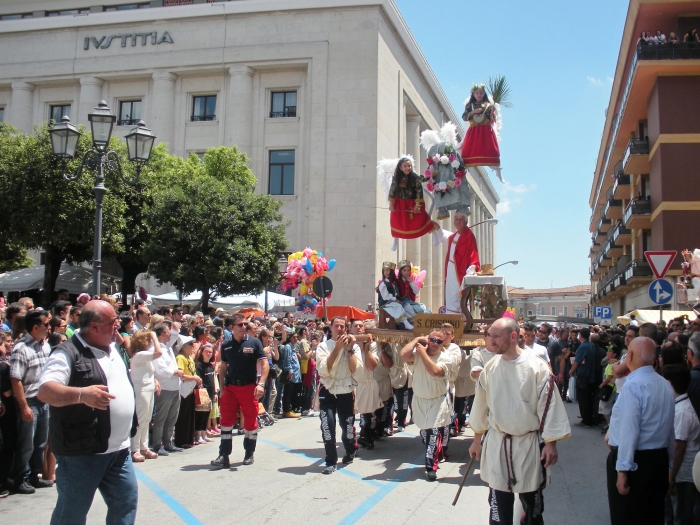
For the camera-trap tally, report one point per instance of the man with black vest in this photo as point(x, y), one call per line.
point(243, 372)
point(93, 417)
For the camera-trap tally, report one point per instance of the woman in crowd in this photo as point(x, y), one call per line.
point(58, 325)
point(18, 329)
point(691, 36)
point(8, 414)
point(205, 370)
point(308, 379)
point(216, 336)
point(200, 334)
point(145, 347)
point(126, 323)
point(184, 427)
point(643, 39)
point(272, 352)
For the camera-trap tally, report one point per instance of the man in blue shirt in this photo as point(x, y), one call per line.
point(583, 369)
point(291, 368)
point(641, 440)
point(12, 310)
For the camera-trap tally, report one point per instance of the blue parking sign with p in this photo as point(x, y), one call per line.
point(602, 312)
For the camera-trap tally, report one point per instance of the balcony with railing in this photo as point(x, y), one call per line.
point(289, 111)
point(128, 122)
point(621, 236)
point(679, 51)
point(638, 271)
point(621, 186)
point(637, 214)
point(636, 158)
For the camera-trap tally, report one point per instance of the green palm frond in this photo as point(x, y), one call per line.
point(499, 90)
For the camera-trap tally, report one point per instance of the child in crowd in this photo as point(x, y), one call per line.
point(389, 299)
point(408, 291)
point(605, 407)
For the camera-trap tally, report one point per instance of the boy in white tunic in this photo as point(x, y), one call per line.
point(431, 368)
point(517, 404)
point(367, 391)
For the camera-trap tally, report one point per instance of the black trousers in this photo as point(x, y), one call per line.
point(9, 430)
point(401, 404)
point(644, 505)
point(463, 405)
point(291, 399)
point(501, 507)
point(383, 416)
point(184, 427)
point(587, 403)
point(434, 443)
point(343, 406)
point(368, 427)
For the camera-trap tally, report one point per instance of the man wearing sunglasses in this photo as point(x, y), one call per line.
point(27, 361)
point(243, 372)
point(431, 369)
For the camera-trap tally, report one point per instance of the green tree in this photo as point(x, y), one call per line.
point(43, 211)
point(211, 232)
point(138, 199)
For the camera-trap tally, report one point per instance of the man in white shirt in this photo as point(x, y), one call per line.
point(528, 333)
point(682, 491)
point(86, 384)
point(336, 362)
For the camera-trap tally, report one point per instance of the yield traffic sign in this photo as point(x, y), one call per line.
point(660, 262)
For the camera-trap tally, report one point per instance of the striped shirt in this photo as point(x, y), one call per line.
point(27, 361)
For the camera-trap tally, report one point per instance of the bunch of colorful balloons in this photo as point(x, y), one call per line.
point(303, 268)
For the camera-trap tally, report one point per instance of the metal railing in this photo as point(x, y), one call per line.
point(128, 122)
point(203, 118)
point(638, 268)
point(290, 111)
point(636, 207)
point(679, 51)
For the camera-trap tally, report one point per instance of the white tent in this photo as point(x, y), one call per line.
point(75, 279)
point(230, 303)
point(652, 316)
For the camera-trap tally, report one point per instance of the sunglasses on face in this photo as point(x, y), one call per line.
point(435, 340)
point(239, 324)
point(46, 325)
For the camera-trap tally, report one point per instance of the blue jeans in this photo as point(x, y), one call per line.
point(77, 479)
point(31, 440)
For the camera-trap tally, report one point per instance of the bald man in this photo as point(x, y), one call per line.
point(92, 407)
point(641, 440)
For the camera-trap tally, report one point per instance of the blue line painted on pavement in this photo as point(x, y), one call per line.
point(343, 471)
point(375, 498)
point(185, 515)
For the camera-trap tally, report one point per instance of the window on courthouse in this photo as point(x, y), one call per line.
point(204, 108)
point(284, 104)
point(566, 310)
point(2, 114)
point(529, 313)
point(129, 113)
point(554, 310)
point(281, 172)
point(58, 112)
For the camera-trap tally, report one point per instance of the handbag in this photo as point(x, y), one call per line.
point(605, 392)
point(274, 372)
point(202, 401)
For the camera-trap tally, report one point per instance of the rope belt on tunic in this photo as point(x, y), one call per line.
point(508, 438)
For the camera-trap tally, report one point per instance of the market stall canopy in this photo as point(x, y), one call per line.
point(344, 311)
point(652, 316)
point(230, 303)
point(76, 279)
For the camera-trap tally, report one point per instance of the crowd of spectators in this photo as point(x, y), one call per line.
point(172, 354)
point(596, 368)
point(659, 38)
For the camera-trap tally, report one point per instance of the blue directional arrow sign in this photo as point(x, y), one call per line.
point(660, 291)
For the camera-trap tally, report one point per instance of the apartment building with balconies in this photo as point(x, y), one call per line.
point(644, 194)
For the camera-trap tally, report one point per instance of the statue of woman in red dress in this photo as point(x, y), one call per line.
point(480, 145)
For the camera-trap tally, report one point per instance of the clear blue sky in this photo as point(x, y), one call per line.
point(559, 58)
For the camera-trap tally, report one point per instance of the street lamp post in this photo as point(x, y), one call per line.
point(64, 140)
point(514, 263)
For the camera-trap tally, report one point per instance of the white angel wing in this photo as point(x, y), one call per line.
point(385, 172)
point(429, 138)
point(448, 133)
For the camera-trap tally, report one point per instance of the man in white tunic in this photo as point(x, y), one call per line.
point(385, 354)
point(367, 391)
point(516, 407)
point(431, 368)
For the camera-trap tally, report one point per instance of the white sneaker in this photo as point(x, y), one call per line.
point(400, 429)
point(408, 325)
point(311, 413)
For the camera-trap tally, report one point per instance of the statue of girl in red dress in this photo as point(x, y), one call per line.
point(480, 144)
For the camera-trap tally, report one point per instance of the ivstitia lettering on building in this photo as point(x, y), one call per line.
point(106, 41)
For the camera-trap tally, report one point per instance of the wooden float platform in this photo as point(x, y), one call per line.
point(383, 335)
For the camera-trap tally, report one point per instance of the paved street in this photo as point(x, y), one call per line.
point(386, 485)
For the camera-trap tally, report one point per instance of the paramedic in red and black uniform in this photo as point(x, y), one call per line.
point(243, 371)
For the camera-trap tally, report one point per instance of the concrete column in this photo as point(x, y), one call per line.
point(21, 114)
point(239, 114)
point(161, 114)
point(90, 96)
point(413, 246)
point(426, 263)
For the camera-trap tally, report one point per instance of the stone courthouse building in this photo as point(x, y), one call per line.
point(314, 91)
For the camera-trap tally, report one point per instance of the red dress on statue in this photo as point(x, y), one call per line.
point(408, 218)
point(480, 146)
